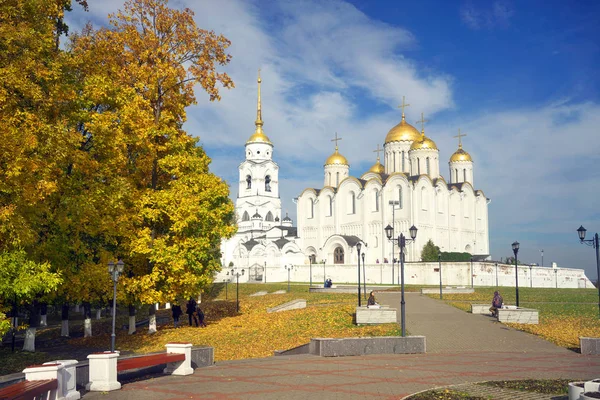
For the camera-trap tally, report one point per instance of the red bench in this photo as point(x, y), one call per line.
point(28, 390)
point(148, 361)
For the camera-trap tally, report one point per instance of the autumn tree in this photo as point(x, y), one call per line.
point(154, 56)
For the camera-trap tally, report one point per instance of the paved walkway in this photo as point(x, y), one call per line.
point(459, 352)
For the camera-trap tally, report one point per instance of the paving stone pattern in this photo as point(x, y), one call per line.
point(461, 348)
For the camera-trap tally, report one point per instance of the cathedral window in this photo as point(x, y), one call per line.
point(269, 217)
point(394, 162)
point(337, 179)
point(352, 203)
point(400, 196)
point(248, 182)
point(329, 180)
point(427, 164)
point(376, 200)
point(403, 166)
point(338, 255)
point(245, 217)
point(268, 183)
point(418, 166)
point(330, 206)
point(311, 208)
point(456, 175)
point(464, 175)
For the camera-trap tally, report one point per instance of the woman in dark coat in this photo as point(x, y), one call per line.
point(176, 310)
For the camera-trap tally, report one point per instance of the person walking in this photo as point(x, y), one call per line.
point(176, 310)
point(190, 310)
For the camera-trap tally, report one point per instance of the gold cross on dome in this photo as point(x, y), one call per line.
point(460, 136)
point(378, 151)
point(403, 106)
point(422, 122)
point(336, 140)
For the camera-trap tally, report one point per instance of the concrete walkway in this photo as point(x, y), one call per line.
point(460, 350)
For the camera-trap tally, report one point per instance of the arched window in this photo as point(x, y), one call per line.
point(403, 165)
point(329, 180)
point(400, 196)
point(245, 217)
point(248, 182)
point(394, 170)
point(464, 175)
point(352, 203)
point(268, 183)
point(269, 217)
point(376, 200)
point(427, 165)
point(337, 179)
point(311, 208)
point(338, 255)
point(330, 206)
point(418, 166)
point(456, 175)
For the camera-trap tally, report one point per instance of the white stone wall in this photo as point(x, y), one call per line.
point(453, 274)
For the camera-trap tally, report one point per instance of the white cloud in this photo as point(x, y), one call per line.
point(486, 15)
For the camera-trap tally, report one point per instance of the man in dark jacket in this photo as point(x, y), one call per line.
point(190, 310)
point(176, 310)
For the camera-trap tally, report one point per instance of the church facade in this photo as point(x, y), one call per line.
point(407, 189)
point(263, 237)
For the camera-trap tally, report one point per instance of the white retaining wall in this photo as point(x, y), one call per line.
point(422, 273)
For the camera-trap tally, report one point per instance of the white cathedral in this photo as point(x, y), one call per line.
point(406, 190)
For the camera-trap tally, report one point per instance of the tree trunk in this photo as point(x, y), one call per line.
point(131, 319)
point(34, 320)
point(152, 319)
point(87, 324)
point(64, 328)
point(99, 313)
point(44, 314)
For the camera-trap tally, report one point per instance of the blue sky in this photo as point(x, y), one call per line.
point(520, 78)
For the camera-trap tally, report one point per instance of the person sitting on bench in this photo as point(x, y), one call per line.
point(371, 303)
point(496, 303)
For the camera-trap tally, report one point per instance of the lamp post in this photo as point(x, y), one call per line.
point(364, 276)
point(393, 203)
point(358, 245)
point(496, 275)
point(237, 274)
point(440, 269)
point(114, 270)
point(289, 268)
point(594, 243)
point(226, 281)
point(265, 272)
point(310, 260)
point(402, 241)
point(542, 251)
point(515, 247)
point(556, 277)
point(471, 272)
point(531, 276)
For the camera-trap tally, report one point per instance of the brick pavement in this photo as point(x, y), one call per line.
point(459, 352)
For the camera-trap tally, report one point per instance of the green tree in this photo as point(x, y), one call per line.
point(430, 251)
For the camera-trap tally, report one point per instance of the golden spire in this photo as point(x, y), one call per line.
point(259, 122)
point(336, 157)
point(459, 136)
point(259, 135)
point(403, 106)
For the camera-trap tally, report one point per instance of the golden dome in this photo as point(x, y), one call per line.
point(336, 159)
point(377, 167)
point(402, 132)
point(259, 137)
point(460, 155)
point(423, 143)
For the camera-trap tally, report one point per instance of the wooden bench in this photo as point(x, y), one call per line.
point(148, 361)
point(104, 367)
point(28, 390)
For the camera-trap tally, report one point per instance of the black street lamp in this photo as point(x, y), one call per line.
point(364, 276)
point(226, 281)
point(358, 245)
point(440, 269)
point(114, 270)
point(515, 247)
point(471, 272)
point(402, 242)
point(594, 243)
point(289, 268)
point(237, 274)
point(542, 251)
point(531, 276)
point(496, 275)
